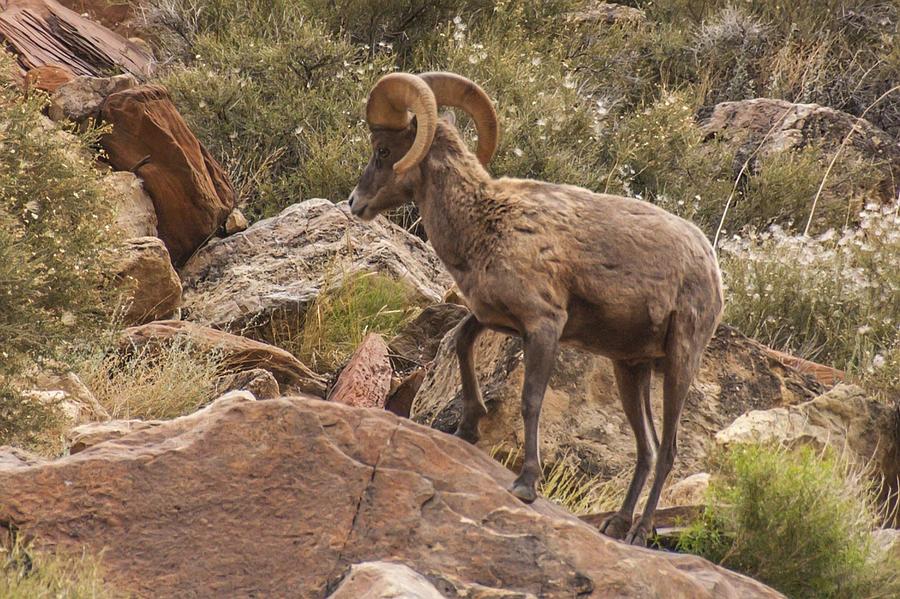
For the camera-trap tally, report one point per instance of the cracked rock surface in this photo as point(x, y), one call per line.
point(282, 497)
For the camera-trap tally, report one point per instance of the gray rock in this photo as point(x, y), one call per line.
point(81, 98)
point(264, 278)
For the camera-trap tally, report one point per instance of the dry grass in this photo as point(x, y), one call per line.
point(153, 383)
point(26, 574)
point(565, 485)
point(349, 307)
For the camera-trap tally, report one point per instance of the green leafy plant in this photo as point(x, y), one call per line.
point(55, 221)
point(796, 520)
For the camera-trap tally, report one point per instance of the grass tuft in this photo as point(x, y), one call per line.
point(345, 311)
point(28, 574)
point(153, 382)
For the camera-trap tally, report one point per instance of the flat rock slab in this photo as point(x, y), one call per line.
point(238, 354)
point(281, 497)
point(44, 32)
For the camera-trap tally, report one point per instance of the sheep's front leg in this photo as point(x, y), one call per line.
point(473, 406)
point(541, 346)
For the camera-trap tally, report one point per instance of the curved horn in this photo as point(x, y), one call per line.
point(455, 90)
point(390, 99)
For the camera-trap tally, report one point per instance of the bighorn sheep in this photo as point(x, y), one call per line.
point(551, 263)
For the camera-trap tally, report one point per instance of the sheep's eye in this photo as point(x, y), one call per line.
point(382, 152)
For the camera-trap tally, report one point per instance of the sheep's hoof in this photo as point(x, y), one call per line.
point(469, 434)
point(638, 534)
point(615, 526)
point(524, 492)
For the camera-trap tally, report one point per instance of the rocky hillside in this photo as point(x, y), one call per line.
point(215, 381)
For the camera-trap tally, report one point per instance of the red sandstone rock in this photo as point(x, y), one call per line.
point(366, 379)
point(280, 498)
point(191, 192)
point(48, 78)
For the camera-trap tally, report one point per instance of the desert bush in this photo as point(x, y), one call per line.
point(54, 227)
point(627, 65)
point(29, 574)
point(659, 154)
point(281, 111)
point(25, 422)
point(782, 186)
point(799, 521)
point(548, 130)
point(158, 381)
point(348, 309)
point(831, 298)
point(839, 53)
point(54, 223)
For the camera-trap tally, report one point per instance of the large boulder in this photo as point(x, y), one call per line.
point(844, 419)
point(144, 273)
point(582, 416)
point(191, 192)
point(263, 279)
point(237, 354)
point(281, 497)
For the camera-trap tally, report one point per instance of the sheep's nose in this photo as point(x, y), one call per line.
point(352, 197)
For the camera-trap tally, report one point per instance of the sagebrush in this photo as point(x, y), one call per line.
point(796, 520)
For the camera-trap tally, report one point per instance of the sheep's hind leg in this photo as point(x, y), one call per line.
point(473, 406)
point(682, 362)
point(634, 393)
point(541, 346)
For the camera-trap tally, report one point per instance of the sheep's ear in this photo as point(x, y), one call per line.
point(449, 116)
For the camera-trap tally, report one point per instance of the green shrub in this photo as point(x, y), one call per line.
point(626, 65)
point(795, 520)
point(832, 298)
point(54, 226)
point(344, 313)
point(659, 155)
point(27, 574)
point(282, 113)
point(54, 223)
point(548, 130)
point(839, 53)
point(783, 185)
